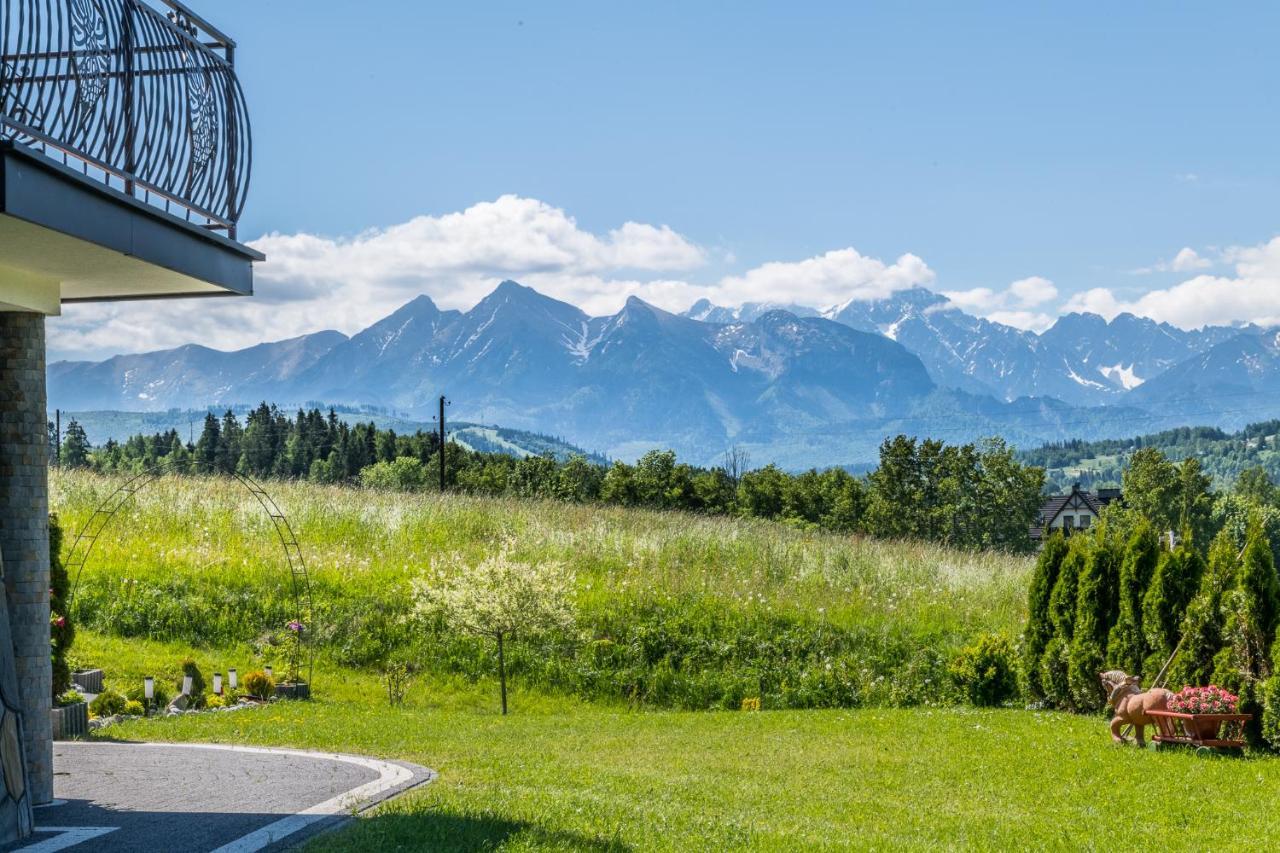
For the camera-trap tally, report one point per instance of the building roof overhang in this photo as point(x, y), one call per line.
point(67, 238)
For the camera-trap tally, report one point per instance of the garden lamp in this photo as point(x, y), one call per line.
point(186, 685)
point(231, 673)
point(149, 691)
point(217, 683)
point(269, 671)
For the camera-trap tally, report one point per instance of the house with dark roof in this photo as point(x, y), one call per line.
point(1072, 512)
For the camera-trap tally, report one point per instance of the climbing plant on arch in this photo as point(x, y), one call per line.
point(301, 653)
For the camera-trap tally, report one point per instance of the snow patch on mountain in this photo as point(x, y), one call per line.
point(1123, 374)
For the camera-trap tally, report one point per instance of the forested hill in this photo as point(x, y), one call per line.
point(101, 427)
point(1223, 455)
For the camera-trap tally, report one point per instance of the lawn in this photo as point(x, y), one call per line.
point(558, 774)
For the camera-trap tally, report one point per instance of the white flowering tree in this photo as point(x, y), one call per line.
point(498, 597)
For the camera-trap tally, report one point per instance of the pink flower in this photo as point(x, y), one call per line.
point(295, 626)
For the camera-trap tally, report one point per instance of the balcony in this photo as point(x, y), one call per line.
point(126, 152)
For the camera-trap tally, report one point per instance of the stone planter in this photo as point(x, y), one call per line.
point(70, 721)
point(90, 680)
point(293, 690)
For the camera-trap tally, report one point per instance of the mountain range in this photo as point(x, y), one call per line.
point(792, 384)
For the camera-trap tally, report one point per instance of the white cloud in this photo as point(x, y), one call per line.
point(1013, 306)
point(1252, 294)
point(347, 284)
point(1187, 260)
point(837, 276)
point(310, 283)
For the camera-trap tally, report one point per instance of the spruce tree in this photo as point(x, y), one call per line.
point(1039, 629)
point(1126, 645)
point(1201, 629)
point(1096, 605)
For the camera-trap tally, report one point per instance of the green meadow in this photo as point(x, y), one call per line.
point(631, 737)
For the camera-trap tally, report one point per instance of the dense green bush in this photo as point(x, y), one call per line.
point(134, 708)
point(1270, 691)
point(108, 703)
point(986, 672)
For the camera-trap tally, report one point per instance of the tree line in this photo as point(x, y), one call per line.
point(1222, 455)
point(966, 496)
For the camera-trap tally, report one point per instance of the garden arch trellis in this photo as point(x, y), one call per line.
point(303, 653)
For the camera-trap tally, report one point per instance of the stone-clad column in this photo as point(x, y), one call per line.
point(24, 532)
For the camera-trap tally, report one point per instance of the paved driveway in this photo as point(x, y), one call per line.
point(189, 797)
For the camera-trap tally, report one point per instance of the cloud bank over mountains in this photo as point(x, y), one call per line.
point(311, 282)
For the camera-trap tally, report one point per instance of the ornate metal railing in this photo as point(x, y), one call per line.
point(144, 100)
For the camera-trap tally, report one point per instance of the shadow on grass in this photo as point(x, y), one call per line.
point(430, 830)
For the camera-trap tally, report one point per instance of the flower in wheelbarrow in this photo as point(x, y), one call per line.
point(1204, 700)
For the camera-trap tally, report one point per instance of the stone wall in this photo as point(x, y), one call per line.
point(24, 532)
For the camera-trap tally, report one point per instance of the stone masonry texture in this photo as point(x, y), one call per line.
point(24, 532)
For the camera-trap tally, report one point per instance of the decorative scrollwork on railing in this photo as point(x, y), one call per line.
point(146, 101)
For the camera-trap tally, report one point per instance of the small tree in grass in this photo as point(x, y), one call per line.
point(498, 597)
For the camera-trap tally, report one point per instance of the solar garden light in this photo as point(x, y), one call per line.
point(217, 684)
point(269, 671)
point(149, 691)
point(186, 685)
point(231, 673)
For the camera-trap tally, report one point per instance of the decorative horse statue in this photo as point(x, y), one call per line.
point(1131, 704)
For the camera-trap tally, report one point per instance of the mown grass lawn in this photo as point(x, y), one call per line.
point(561, 775)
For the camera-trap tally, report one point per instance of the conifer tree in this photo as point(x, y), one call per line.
point(1096, 605)
point(1126, 645)
point(1251, 608)
point(1039, 629)
point(1201, 628)
point(1055, 662)
point(1176, 579)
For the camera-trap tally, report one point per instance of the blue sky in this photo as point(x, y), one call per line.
point(1084, 145)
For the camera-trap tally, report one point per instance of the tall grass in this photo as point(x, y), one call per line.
point(675, 610)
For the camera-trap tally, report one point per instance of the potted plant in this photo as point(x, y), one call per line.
point(70, 716)
point(1206, 705)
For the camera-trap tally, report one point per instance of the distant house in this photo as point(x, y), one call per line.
point(1068, 513)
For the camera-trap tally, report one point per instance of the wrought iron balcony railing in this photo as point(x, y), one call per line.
point(145, 100)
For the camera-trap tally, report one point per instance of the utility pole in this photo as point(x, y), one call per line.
point(443, 403)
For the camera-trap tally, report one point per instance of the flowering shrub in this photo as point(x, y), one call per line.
point(1204, 700)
